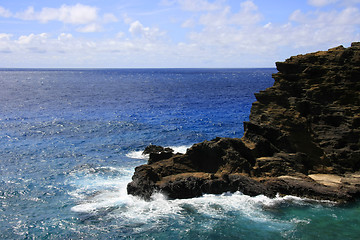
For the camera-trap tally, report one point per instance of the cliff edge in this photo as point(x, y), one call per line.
point(302, 138)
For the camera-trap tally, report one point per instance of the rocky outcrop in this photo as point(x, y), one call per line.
point(303, 132)
point(157, 153)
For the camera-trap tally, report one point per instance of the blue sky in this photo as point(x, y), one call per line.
point(171, 33)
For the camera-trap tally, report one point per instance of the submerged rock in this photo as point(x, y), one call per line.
point(306, 124)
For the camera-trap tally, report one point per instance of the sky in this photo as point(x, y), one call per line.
point(170, 33)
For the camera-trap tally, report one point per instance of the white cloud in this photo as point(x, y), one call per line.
point(216, 19)
point(248, 6)
point(195, 5)
point(120, 35)
point(65, 50)
point(28, 14)
point(321, 3)
point(92, 27)
point(227, 34)
point(65, 36)
point(5, 36)
point(31, 45)
point(32, 40)
point(247, 15)
point(109, 17)
point(127, 19)
point(349, 16)
point(231, 35)
point(188, 23)
point(138, 30)
point(5, 47)
point(78, 14)
point(4, 12)
point(167, 3)
point(314, 29)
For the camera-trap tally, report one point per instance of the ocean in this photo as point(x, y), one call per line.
point(71, 138)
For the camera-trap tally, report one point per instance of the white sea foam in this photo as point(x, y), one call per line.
point(92, 182)
point(97, 193)
point(105, 199)
point(137, 155)
point(180, 149)
point(140, 155)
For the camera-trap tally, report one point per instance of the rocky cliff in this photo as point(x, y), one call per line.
point(302, 138)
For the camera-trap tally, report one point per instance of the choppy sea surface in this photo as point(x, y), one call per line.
point(70, 140)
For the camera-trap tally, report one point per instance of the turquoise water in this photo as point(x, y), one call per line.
point(70, 140)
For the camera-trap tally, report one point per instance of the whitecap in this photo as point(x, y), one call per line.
point(137, 155)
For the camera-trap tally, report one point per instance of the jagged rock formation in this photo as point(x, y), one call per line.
point(303, 138)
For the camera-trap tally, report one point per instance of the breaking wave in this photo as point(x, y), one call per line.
point(139, 154)
point(100, 193)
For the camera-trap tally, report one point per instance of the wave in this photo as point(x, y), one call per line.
point(140, 155)
point(89, 181)
point(137, 155)
point(105, 196)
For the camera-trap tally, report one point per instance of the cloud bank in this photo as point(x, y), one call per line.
point(215, 35)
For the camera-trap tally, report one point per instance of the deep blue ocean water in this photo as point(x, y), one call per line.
point(70, 140)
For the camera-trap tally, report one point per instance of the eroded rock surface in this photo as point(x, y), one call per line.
point(302, 138)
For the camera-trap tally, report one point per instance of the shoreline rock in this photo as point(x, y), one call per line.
point(302, 139)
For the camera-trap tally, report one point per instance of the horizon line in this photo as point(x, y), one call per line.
point(119, 68)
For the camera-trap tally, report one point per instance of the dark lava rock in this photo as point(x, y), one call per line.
point(302, 138)
point(158, 153)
